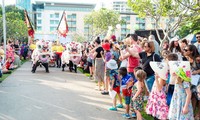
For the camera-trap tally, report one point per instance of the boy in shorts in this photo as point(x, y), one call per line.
point(126, 84)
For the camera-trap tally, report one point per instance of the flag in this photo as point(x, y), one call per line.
point(63, 27)
point(28, 24)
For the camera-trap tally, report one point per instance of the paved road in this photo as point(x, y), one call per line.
point(52, 96)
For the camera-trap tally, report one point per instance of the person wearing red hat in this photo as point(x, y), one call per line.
point(113, 39)
point(107, 57)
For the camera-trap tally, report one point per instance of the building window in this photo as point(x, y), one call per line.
point(123, 26)
point(51, 21)
point(128, 18)
point(39, 21)
point(51, 15)
point(39, 15)
point(56, 15)
point(72, 29)
point(39, 28)
point(56, 21)
point(68, 16)
point(74, 16)
point(52, 29)
point(73, 22)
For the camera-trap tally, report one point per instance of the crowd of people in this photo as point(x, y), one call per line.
point(123, 70)
point(124, 67)
point(15, 52)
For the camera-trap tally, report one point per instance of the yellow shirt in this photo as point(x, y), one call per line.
point(53, 48)
point(59, 48)
point(32, 46)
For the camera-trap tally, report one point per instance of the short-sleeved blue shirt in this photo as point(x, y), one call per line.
point(125, 79)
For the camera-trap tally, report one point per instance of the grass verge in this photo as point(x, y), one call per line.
point(82, 71)
point(4, 76)
point(144, 115)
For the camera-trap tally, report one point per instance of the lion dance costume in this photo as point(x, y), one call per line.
point(72, 56)
point(41, 55)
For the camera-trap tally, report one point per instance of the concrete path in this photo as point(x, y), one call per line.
point(52, 96)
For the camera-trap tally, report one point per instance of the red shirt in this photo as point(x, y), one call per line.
point(133, 61)
point(8, 65)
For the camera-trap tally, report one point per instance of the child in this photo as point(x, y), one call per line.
point(9, 64)
point(164, 54)
point(115, 83)
point(135, 70)
point(181, 107)
point(108, 56)
point(138, 91)
point(157, 103)
point(172, 78)
point(126, 84)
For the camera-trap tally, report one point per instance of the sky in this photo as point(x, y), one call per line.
point(106, 3)
point(10, 2)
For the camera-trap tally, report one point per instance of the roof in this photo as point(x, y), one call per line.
point(65, 3)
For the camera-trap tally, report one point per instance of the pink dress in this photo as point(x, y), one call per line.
point(10, 52)
point(157, 104)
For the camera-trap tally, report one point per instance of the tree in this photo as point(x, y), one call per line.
point(156, 9)
point(193, 5)
point(191, 26)
point(100, 20)
point(15, 25)
point(78, 37)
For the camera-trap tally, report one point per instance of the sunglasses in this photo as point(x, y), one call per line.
point(198, 37)
point(186, 50)
point(146, 46)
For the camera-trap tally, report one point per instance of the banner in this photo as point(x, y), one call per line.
point(63, 27)
point(28, 24)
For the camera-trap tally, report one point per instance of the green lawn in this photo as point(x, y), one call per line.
point(6, 75)
point(82, 71)
point(144, 115)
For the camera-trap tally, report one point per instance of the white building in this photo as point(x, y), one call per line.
point(48, 14)
point(132, 20)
